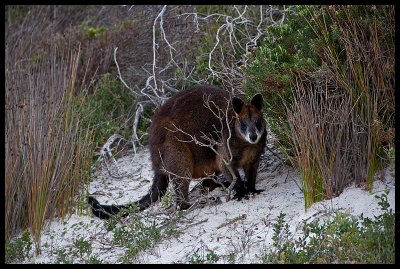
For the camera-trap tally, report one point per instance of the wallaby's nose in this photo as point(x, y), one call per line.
point(253, 137)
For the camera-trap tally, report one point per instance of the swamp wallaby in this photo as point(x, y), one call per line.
point(201, 132)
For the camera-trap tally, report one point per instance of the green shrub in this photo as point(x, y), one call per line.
point(80, 252)
point(94, 260)
point(134, 235)
point(95, 32)
point(341, 239)
point(328, 55)
point(63, 257)
point(200, 258)
point(195, 258)
point(286, 51)
point(83, 247)
point(18, 249)
point(109, 110)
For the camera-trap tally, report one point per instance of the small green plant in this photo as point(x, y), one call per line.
point(168, 199)
point(200, 258)
point(135, 235)
point(84, 247)
point(63, 257)
point(111, 223)
point(19, 249)
point(212, 257)
point(80, 252)
point(281, 230)
point(94, 260)
point(231, 257)
point(95, 32)
point(195, 258)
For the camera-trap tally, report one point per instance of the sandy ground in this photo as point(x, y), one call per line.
point(242, 227)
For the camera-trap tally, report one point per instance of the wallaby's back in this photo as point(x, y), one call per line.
point(186, 111)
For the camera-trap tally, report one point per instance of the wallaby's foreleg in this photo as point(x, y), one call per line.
point(250, 172)
point(239, 188)
point(212, 182)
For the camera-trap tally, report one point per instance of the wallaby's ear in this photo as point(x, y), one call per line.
point(237, 104)
point(257, 101)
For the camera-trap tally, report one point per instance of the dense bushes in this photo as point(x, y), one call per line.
point(327, 75)
point(108, 110)
point(287, 49)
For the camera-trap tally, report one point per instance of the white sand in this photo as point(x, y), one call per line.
point(206, 229)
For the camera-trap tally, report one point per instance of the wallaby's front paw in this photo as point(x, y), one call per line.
point(184, 205)
point(239, 195)
point(255, 191)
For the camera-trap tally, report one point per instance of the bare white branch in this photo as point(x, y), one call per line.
point(106, 152)
point(119, 73)
point(237, 33)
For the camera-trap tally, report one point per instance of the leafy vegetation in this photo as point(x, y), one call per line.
point(200, 258)
point(324, 84)
point(95, 32)
point(287, 50)
point(108, 110)
point(340, 239)
point(18, 249)
point(135, 234)
point(81, 251)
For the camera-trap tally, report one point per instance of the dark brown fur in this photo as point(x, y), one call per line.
point(182, 161)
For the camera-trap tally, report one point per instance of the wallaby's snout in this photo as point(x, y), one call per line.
point(253, 137)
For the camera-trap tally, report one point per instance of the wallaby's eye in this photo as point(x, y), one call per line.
point(259, 124)
point(243, 127)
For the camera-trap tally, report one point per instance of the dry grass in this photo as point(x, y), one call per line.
point(47, 154)
point(363, 59)
point(343, 115)
point(326, 149)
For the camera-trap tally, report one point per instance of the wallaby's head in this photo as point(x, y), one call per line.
point(250, 123)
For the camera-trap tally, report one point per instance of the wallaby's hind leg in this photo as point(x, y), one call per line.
point(181, 186)
point(179, 169)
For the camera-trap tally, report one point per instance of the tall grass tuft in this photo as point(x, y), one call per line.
point(342, 117)
point(326, 148)
point(47, 153)
point(358, 44)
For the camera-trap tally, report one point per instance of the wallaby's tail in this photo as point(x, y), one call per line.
point(157, 190)
point(104, 211)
